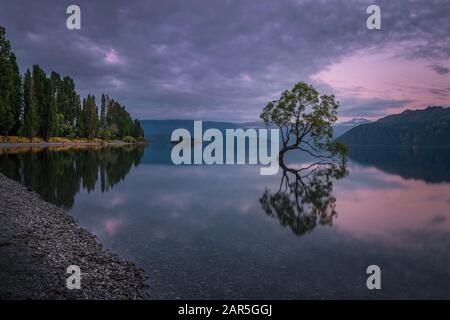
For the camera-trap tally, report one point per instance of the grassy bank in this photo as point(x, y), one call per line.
point(15, 140)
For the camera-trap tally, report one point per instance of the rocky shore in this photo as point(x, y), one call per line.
point(38, 241)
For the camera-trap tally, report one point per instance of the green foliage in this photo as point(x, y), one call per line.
point(105, 134)
point(129, 139)
point(10, 88)
point(50, 120)
point(90, 116)
point(64, 128)
point(305, 120)
point(137, 129)
point(39, 82)
point(79, 118)
point(305, 199)
point(16, 95)
point(66, 97)
point(105, 101)
point(41, 106)
point(5, 118)
point(118, 118)
point(31, 117)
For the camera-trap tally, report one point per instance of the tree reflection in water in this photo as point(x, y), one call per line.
point(57, 174)
point(304, 198)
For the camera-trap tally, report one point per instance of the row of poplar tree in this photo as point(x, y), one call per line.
point(37, 105)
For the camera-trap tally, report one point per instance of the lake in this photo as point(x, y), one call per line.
point(223, 232)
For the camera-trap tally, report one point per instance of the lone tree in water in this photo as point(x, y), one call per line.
point(305, 120)
point(304, 198)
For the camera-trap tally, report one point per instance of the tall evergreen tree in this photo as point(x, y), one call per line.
point(137, 129)
point(66, 98)
point(69, 100)
point(56, 83)
point(45, 97)
point(16, 96)
point(7, 121)
point(39, 82)
point(50, 123)
point(103, 112)
point(5, 118)
point(90, 111)
point(79, 122)
point(31, 120)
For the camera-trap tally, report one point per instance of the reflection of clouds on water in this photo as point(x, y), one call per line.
point(108, 226)
point(176, 200)
point(245, 208)
point(363, 177)
point(199, 229)
point(200, 232)
point(112, 225)
point(115, 199)
point(438, 219)
point(401, 204)
point(369, 202)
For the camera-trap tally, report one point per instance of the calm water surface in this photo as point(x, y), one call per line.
point(202, 231)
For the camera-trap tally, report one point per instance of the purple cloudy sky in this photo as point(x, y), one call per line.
point(224, 59)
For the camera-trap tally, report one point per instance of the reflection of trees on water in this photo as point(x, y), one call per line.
point(304, 198)
point(57, 175)
point(430, 164)
point(305, 121)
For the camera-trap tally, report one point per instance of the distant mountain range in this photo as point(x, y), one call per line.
point(340, 128)
point(427, 127)
point(163, 128)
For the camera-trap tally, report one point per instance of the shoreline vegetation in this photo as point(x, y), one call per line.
point(41, 107)
point(38, 241)
point(14, 141)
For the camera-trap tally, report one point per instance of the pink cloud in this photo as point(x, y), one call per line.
point(112, 57)
point(386, 74)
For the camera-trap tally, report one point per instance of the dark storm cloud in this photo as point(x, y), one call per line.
point(210, 59)
point(439, 69)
